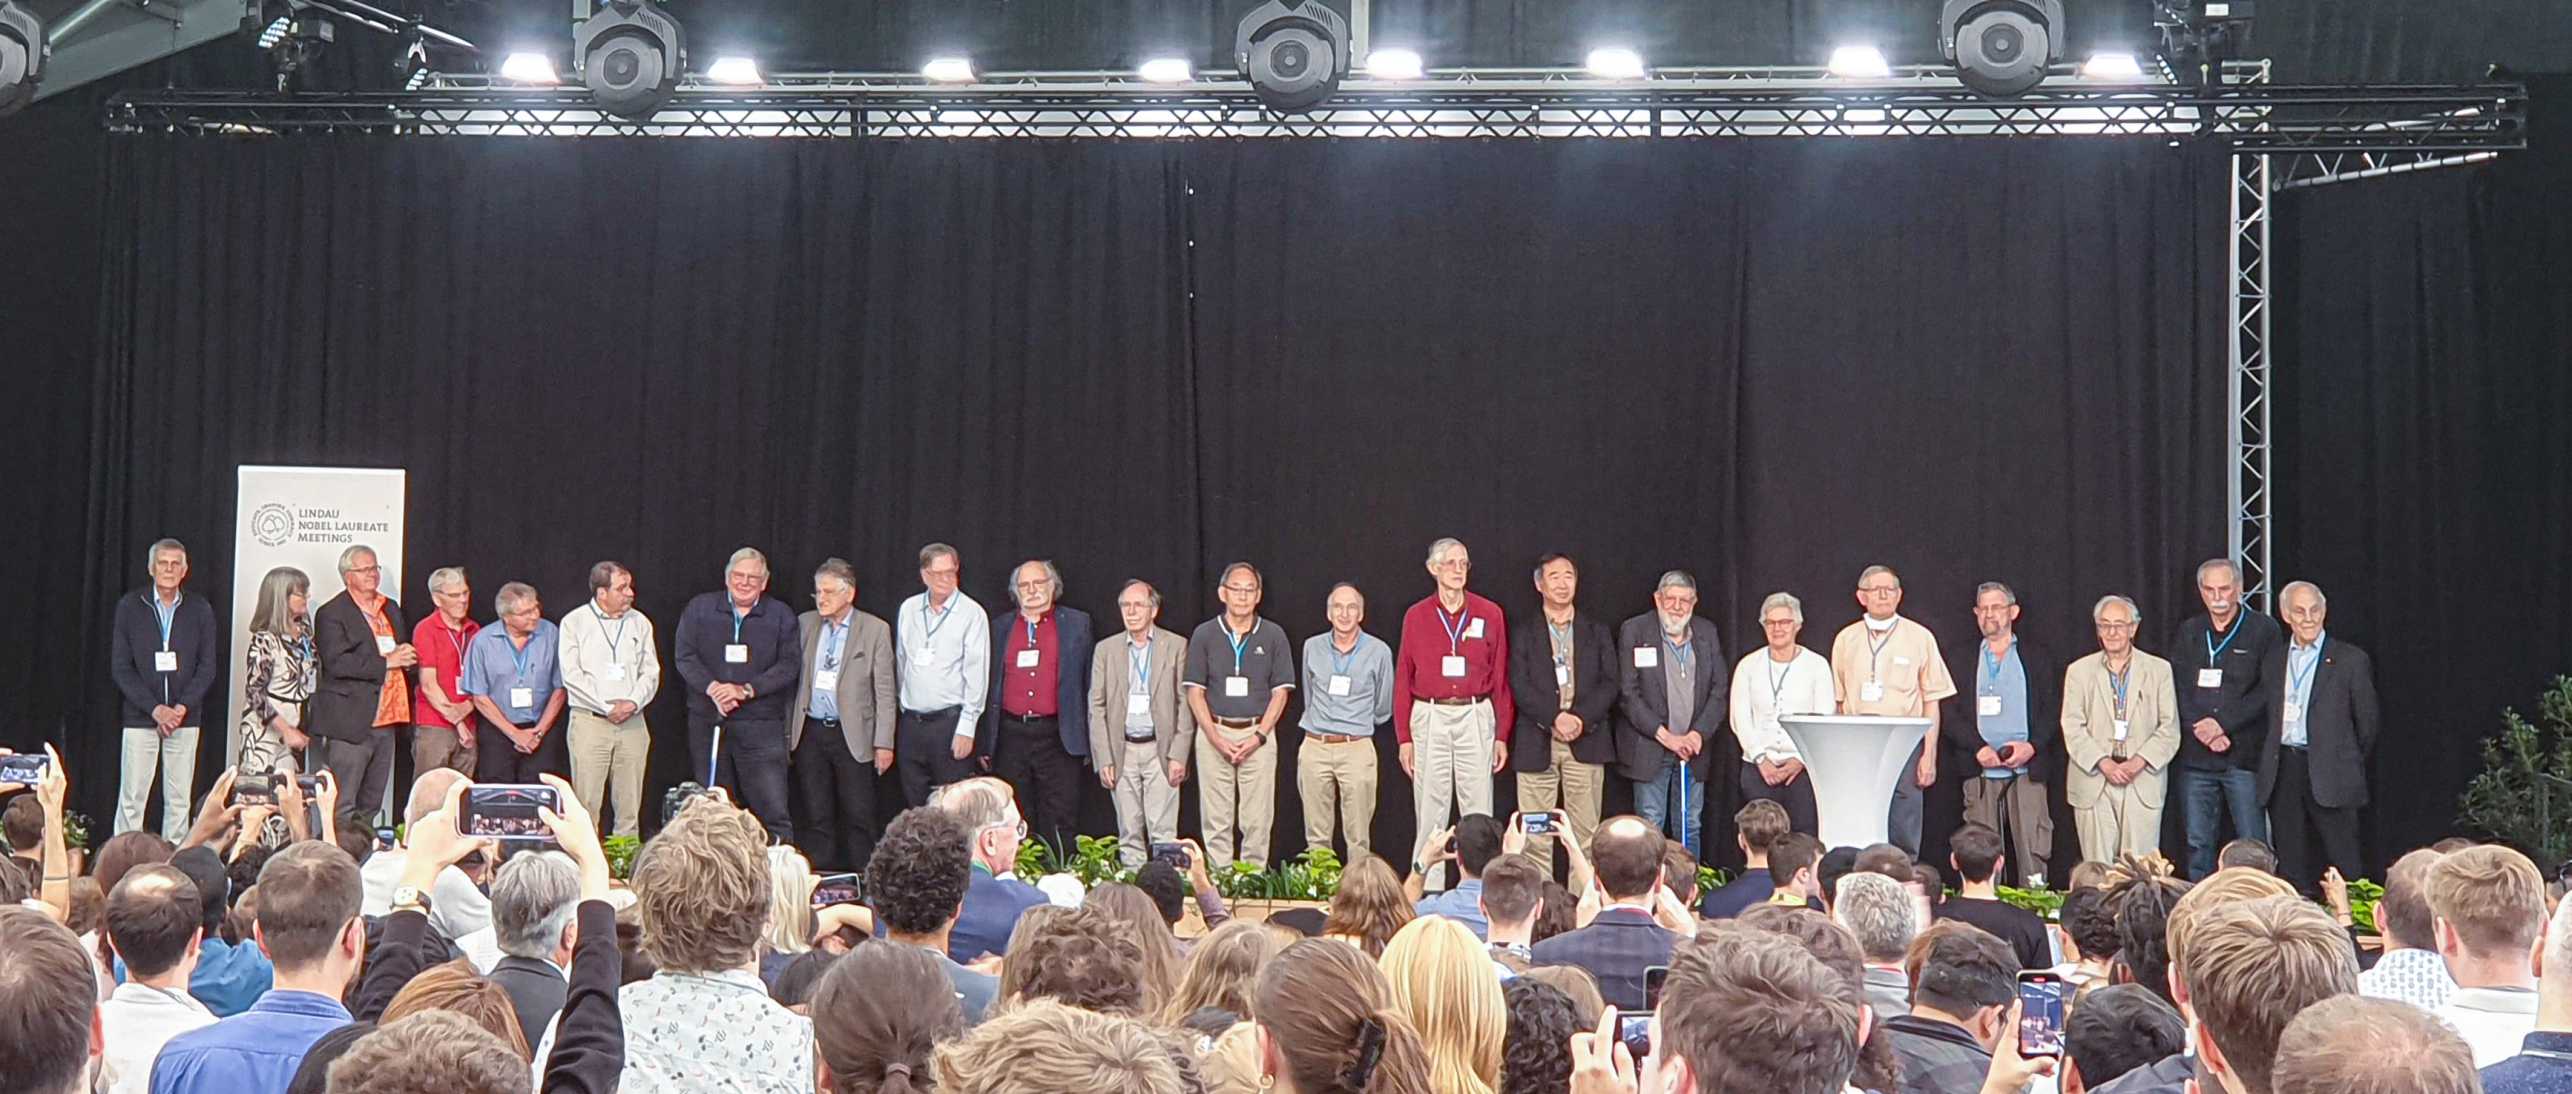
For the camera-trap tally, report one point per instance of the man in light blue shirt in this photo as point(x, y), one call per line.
point(1472, 844)
point(1348, 691)
point(513, 675)
point(944, 641)
point(309, 924)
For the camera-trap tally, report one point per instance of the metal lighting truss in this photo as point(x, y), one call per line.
point(2281, 137)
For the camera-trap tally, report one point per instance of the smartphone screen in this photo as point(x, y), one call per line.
point(1653, 978)
point(1175, 854)
point(832, 889)
point(1636, 1031)
point(253, 790)
point(26, 768)
point(2041, 999)
point(1536, 824)
point(508, 812)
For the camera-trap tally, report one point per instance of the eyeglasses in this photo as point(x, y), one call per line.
point(366, 569)
point(1455, 564)
point(1879, 590)
point(1241, 588)
point(2116, 625)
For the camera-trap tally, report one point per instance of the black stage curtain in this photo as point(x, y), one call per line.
point(1768, 362)
point(2422, 428)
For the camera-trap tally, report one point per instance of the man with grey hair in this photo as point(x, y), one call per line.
point(2120, 731)
point(534, 898)
point(1879, 911)
point(737, 649)
point(1348, 691)
point(1239, 670)
point(1674, 691)
point(1779, 678)
point(443, 721)
point(2224, 701)
point(1033, 733)
point(2321, 734)
point(611, 671)
point(1563, 680)
point(362, 689)
point(2012, 725)
point(1452, 709)
point(1140, 733)
point(164, 667)
point(840, 727)
point(945, 677)
point(1887, 664)
point(514, 676)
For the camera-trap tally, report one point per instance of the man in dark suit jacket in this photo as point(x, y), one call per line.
point(993, 900)
point(165, 665)
point(2321, 730)
point(2008, 778)
point(533, 900)
point(1035, 732)
point(352, 659)
point(1623, 940)
point(1562, 670)
point(1663, 750)
point(841, 738)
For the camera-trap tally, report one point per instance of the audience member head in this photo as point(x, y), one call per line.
point(1835, 864)
point(246, 864)
point(125, 851)
point(1441, 980)
point(703, 889)
point(1223, 970)
point(1513, 890)
point(49, 1031)
point(918, 876)
point(1878, 1066)
point(1577, 984)
point(1155, 946)
point(1370, 906)
point(1747, 1009)
point(1477, 839)
point(877, 1015)
point(1535, 1056)
point(88, 906)
point(239, 923)
point(23, 823)
point(1303, 923)
point(1679, 872)
point(18, 881)
point(204, 869)
point(1975, 851)
point(1560, 912)
point(2351, 1044)
point(2090, 922)
point(1045, 1047)
point(1878, 912)
point(154, 920)
point(2230, 886)
point(1792, 862)
point(1928, 888)
point(795, 983)
point(1883, 858)
point(1228, 1061)
point(1968, 976)
point(2488, 906)
point(2250, 966)
point(534, 898)
point(356, 836)
point(2114, 1030)
point(1015, 974)
point(455, 987)
point(2451, 845)
point(2088, 875)
point(1328, 1025)
point(429, 1052)
point(309, 896)
point(1084, 958)
point(2249, 852)
point(428, 794)
point(790, 901)
point(1756, 827)
point(2143, 931)
point(989, 809)
point(1161, 882)
point(2403, 915)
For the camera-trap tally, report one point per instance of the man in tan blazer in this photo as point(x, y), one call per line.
point(2120, 731)
point(840, 729)
point(1140, 732)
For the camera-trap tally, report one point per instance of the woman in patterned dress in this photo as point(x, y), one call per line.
point(280, 675)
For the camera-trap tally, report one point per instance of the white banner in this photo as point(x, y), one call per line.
point(304, 517)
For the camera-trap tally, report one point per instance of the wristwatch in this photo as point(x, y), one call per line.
point(410, 899)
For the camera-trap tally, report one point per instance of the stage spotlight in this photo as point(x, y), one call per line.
point(529, 67)
point(22, 56)
point(2112, 66)
point(631, 55)
point(1293, 52)
point(1859, 63)
point(2198, 36)
point(2001, 47)
point(948, 70)
point(1616, 63)
point(1167, 70)
point(1395, 64)
point(734, 72)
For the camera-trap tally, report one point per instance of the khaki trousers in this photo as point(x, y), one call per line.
point(606, 754)
point(1337, 783)
point(433, 747)
point(1451, 757)
point(2015, 808)
point(1567, 784)
point(1246, 794)
point(2125, 819)
point(1147, 806)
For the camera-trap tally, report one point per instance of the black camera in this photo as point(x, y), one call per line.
point(678, 799)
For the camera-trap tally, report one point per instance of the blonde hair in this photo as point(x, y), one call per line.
point(1445, 982)
point(1131, 909)
point(2228, 886)
point(701, 888)
point(1369, 907)
point(790, 900)
point(1229, 1062)
point(1223, 970)
point(2492, 896)
point(2253, 966)
point(1044, 1047)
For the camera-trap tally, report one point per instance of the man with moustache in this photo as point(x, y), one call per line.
point(2221, 658)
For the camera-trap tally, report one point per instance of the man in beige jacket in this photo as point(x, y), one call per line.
point(2120, 731)
point(1140, 732)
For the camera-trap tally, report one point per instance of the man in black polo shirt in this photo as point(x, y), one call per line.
point(2223, 713)
point(1975, 851)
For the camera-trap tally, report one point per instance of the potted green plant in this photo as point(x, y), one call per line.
point(2523, 797)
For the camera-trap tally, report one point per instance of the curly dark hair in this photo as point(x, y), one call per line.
point(2091, 919)
point(921, 867)
point(1081, 958)
point(1169, 894)
point(1536, 1057)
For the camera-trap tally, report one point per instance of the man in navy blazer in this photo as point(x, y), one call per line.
point(1035, 732)
point(164, 668)
point(1623, 940)
point(993, 900)
point(2321, 731)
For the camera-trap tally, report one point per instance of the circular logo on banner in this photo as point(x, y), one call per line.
point(272, 525)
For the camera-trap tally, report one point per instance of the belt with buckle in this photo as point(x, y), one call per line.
point(1334, 738)
point(1462, 701)
point(1029, 717)
point(1236, 723)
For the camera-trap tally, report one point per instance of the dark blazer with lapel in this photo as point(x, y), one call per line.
point(1073, 648)
point(1531, 684)
point(2339, 726)
point(867, 699)
point(535, 990)
point(1962, 732)
point(1616, 948)
point(1645, 698)
point(349, 674)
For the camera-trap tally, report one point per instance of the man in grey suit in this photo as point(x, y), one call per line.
point(840, 728)
point(1140, 731)
point(533, 900)
point(1675, 696)
point(2321, 730)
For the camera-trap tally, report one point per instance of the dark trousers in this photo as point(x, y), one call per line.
point(752, 766)
point(835, 791)
point(924, 753)
point(2209, 794)
point(2302, 827)
point(1029, 755)
point(1796, 797)
point(496, 758)
point(360, 768)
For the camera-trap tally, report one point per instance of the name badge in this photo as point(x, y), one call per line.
point(2122, 726)
point(825, 679)
point(1339, 685)
point(1236, 686)
point(614, 672)
point(522, 697)
point(1646, 657)
point(1473, 627)
point(736, 653)
point(1987, 706)
point(1138, 706)
point(1562, 676)
point(1027, 658)
point(1898, 659)
point(2294, 711)
point(165, 661)
point(1871, 692)
point(1451, 666)
point(2210, 678)
point(383, 644)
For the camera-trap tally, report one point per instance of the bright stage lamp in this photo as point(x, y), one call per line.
point(1394, 64)
point(1167, 70)
point(2112, 66)
point(1616, 63)
point(734, 72)
point(530, 68)
point(1859, 63)
point(948, 70)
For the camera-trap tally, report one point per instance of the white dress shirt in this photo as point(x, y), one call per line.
point(456, 908)
point(946, 658)
point(2494, 1022)
point(590, 642)
point(1763, 690)
point(137, 1021)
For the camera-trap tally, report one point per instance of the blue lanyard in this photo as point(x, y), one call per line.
point(1683, 653)
point(519, 656)
point(2214, 651)
point(2116, 683)
point(930, 640)
point(1991, 666)
point(1031, 632)
point(1562, 641)
point(165, 614)
point(833, 635)
point(1139, 659)
point(1455, 632)
point(2300, 685)
point(613, 640)
point(1340, 661)
point(737, 616)
point(1238, 641)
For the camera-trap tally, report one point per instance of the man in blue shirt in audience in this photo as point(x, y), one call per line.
point(994, 899)
point(1472, 844)
point(309, 925)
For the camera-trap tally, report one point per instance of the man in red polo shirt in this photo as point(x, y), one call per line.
point(1451, 706)
point(442, 721)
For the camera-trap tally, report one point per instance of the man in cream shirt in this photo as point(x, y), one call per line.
point(1778, 679)
point(1888, 665)
point(611, 670)
point(2120, 731)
